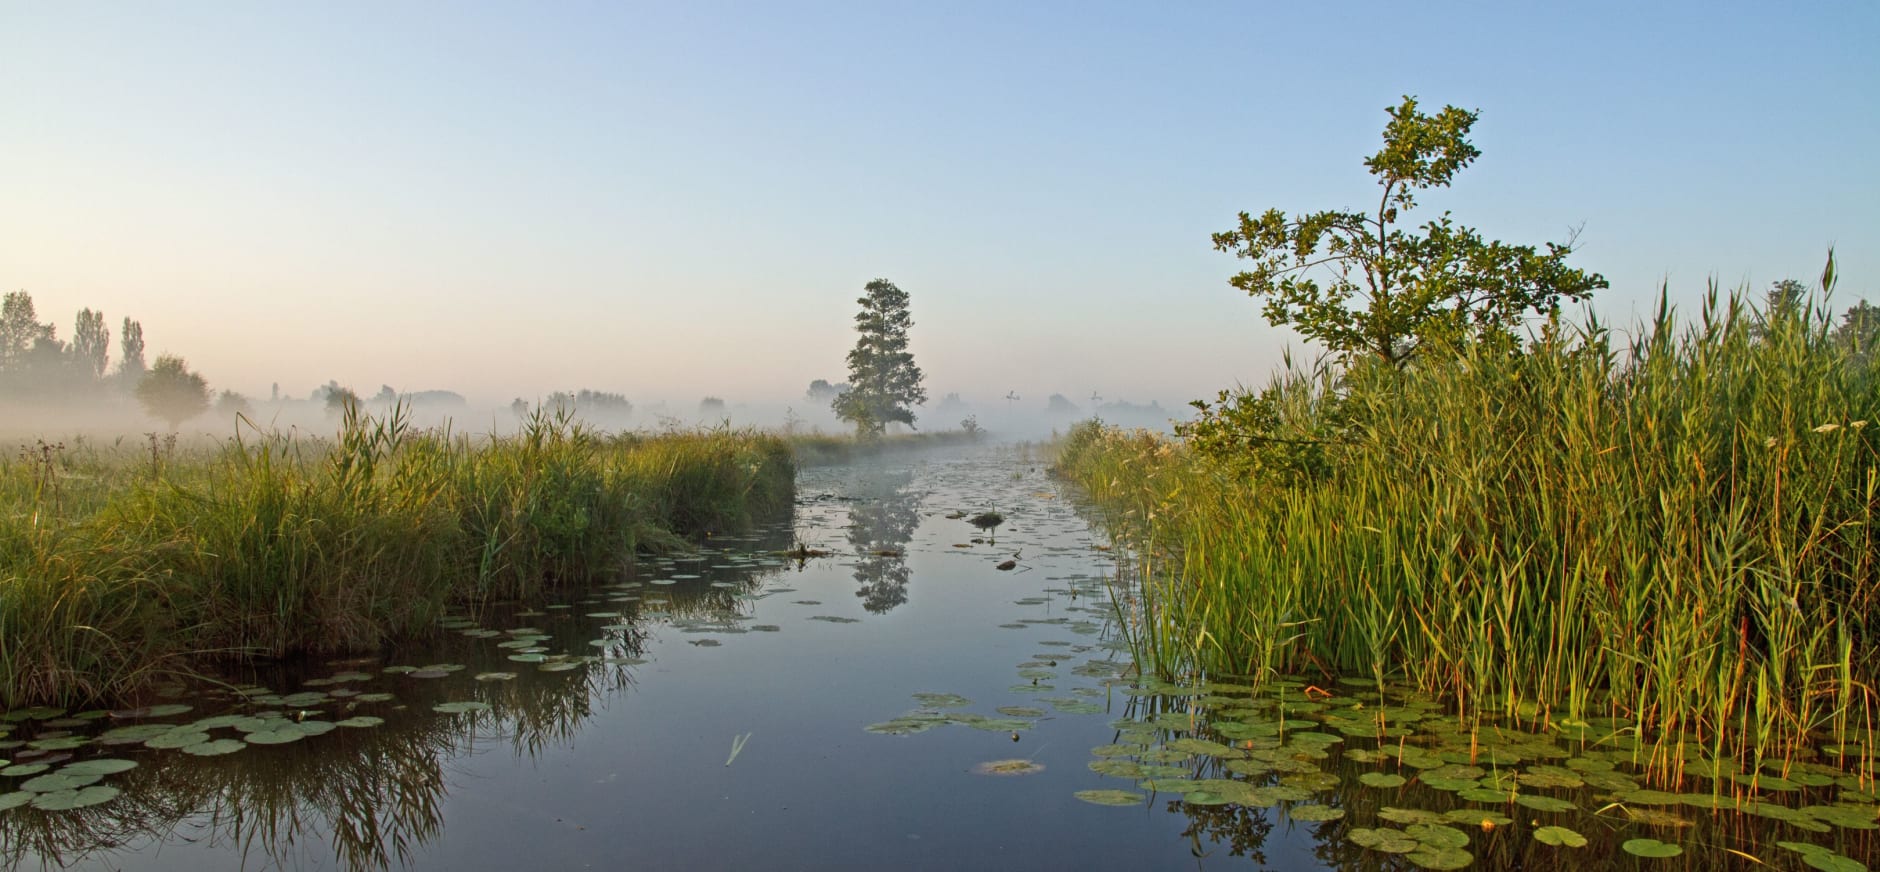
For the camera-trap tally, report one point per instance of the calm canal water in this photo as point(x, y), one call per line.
point(736, 709)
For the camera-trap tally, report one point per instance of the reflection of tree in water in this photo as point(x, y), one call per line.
point(1244, 829)
point(881, 522)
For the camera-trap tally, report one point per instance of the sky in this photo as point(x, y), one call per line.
point(678, 199)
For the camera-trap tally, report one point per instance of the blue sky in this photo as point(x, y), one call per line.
point(679, 199)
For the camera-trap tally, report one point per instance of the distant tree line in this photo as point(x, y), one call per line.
point(35, 363)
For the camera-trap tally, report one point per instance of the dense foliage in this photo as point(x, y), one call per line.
point(884, 382)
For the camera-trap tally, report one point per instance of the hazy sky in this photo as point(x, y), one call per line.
point(676, 199)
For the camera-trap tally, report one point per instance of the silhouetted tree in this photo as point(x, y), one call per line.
point(171, 392)
point(20, 330)
point(91, 343)
point(228, 404)
point(885, 384)
point(711, 407)
point(339, 399)
point(131, 353)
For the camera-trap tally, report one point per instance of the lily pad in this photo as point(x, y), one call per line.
point(99, 766)
point(359, 722)
point(215, 747)
point(1381, 779)
point(458, 708)
point(58, 781)
point(496, 676)
point(1651, 848)
point(1545, 803)
point(1008, 767)
point(282, 734)
point(175, 739)
point(15, 799)
point(1559, 836)
point(65, 800)
point(1440, 858)
point(1384, 839)
point(1313, 812)
point(1437, 836)
point(1098, 797)
point(151, 711)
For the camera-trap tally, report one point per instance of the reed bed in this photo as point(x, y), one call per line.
point(118, 566)
point(1674, 529)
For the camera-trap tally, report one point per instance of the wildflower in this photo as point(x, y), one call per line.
point(1858, 424)
point(1827, 428)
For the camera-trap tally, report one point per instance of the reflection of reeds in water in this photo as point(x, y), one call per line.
point(372, 795)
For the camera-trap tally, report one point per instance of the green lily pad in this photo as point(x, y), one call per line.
point(458, 708)
point(151, 711)
point(359, 722)
point(282, 734)
point(1099, 797)
point(18, 770)
point(1008, 767)
point(1313, 813)
point(1559, 836)
point(1439, 858)
point(373, 697)
point(180, 738)
point(1409, 815)
point(1384, 839)
point(1437, 836)
point(98, 766)
point(1545, 803)
point(941, 700)
point(58, 781)
point(215, 748)
point(1381, 779)
point(1021, 711)
point(1476, 817)
point(1651, 848)
point(66, 800)
point(15, 799)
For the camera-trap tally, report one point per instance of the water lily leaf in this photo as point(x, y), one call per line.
point(373, 697)
point(15, 799)
point(458, 708)
point(1381, 779)
point(360, 721)
point(1437, 836)
point(1440, 858)
point(280, 734)
point(151, 711)
point(1008, 767)
point(174, 739)
point(66, 800)
point(18, 770)
point(1203, 746)
point(215, 747)
point(1409, 815)
point(528, 658)
point(1651, 848)
point(565, 665)
point(1844, 816)
point(1483, 794)
point(1099, 797)
point(1025, 711)
point(942, 700)
point(58, 781)
point(1475, 817)
point(1559, 836)
point(99, 766)
point(1384, 839)
point(1545, 803)
point(1313, 813)
point(61, 743)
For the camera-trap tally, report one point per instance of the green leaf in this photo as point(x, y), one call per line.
point(1560, 836)
point(1651, 848)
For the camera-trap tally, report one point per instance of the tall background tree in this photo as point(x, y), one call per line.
point(20, 331)
point(91, 343)
point(171, 392)
point(131, 353)
point(1388, 292)
point(884, 383)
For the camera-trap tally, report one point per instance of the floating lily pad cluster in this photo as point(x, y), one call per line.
point(1398, 775)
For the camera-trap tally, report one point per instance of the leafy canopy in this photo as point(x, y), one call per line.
point(884, 383)
point(171, 392)
point(1362, 285)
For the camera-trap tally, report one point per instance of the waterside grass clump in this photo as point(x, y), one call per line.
point(117, 568)
point(1675, 530)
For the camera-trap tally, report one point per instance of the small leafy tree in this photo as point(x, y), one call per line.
point(1389, 292)
point(20, 330)
point(171, 392)
point(884, 383)
point(340, 400)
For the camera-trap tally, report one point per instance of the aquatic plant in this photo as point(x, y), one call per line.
point(1675, 529)
point(272, 544)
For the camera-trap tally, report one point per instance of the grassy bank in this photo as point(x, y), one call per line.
point(1675, 530)
point(119, 565)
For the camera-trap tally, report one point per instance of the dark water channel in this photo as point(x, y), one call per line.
point(736, 709)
